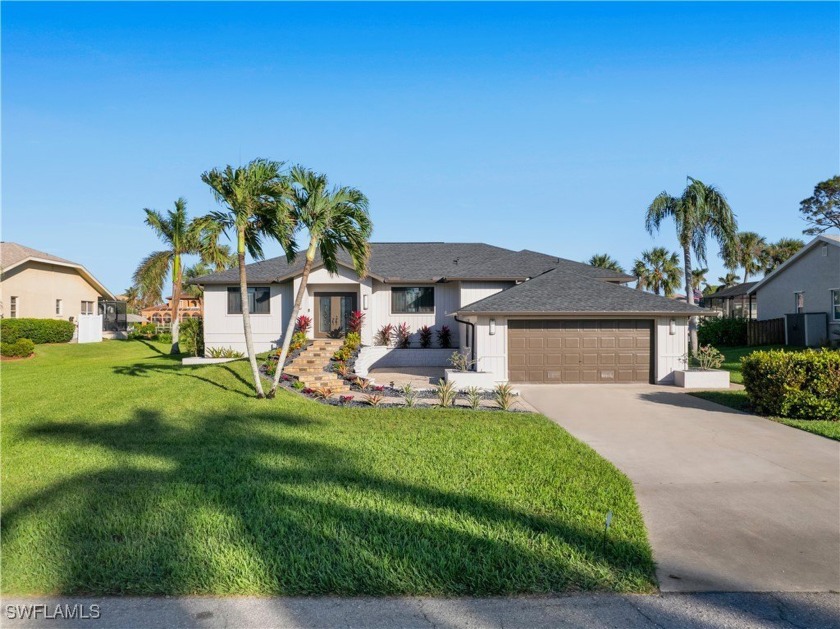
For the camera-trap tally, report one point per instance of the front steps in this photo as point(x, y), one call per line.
point(310, 366)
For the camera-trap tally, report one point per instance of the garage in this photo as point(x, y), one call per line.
point(596, 351)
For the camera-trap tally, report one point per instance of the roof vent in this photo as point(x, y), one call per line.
point(456, 260)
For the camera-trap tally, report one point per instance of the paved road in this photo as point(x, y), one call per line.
point(670, 611)
point(732, 502)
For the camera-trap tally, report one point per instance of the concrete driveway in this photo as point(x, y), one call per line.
point(732, 502)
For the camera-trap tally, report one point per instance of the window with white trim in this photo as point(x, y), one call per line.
point(87, 307)
point(835, 304)
point(59, 307)
point(13, 307)
point(799, 302)
point(412, 300)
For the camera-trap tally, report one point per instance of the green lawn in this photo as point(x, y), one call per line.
point(126, 473)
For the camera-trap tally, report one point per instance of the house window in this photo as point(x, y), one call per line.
point(259, 300)
point(59, 307)
point(87, 307)
point(13, 307)
point(835, 304)
point(413, 300)
point(799, 302)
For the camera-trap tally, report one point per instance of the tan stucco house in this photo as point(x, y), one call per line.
point(522, 316)
point(43, 286)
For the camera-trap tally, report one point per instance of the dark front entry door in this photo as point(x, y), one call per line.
point(331, 313)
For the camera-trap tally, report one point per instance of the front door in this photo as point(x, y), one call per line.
point(331, 313)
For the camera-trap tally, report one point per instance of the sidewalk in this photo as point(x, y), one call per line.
point(663, 611)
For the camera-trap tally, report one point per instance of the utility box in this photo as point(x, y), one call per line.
point(806, 329)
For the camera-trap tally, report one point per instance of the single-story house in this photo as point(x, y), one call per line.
point(523, 316)
point(733, 301)
point(43, 286)
point(807, 288)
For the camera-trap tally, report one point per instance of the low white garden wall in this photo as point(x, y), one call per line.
point(699, 379)
point(464, 379)
point(381, 357)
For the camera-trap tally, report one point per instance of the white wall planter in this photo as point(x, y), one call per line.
point(201, 360)
point(465, 379)
point(381, 357)
point(700, 379)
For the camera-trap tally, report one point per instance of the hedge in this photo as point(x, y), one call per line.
point(722, 331)
point(797, 385)
point(21, 348)
point(37, 330)
point(191, 337)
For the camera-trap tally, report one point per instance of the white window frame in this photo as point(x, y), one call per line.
point(85, 309)
point(59, 307)
point(796, 294)
point(835, 307)
point(14, 305)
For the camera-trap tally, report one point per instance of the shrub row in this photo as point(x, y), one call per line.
point(21, 348)
point(722, 331)
point(37, 330)
point(798, 385)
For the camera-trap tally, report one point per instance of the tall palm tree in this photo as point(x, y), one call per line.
point(698, 278)
point(336, 219)
point(729, 280)
point(226, 261)
point(254, 209)
point(749, 252)
point(700, 212)
point(658, 270)
point(780, 252)
point(178, 234)
point(605, 261)
point(133, 298)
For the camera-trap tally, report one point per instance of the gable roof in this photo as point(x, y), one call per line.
point(13, 254)
point(830, 239)
point(561, 291)
point(426, 262)
point(731, 291)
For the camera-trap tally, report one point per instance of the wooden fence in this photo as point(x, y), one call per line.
point(768, 332)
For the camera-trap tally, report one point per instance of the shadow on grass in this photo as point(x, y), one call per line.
point(172, 365)
point(221, 506)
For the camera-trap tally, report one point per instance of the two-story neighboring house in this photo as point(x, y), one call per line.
point(806, 287)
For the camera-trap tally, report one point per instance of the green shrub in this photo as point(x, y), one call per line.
point(797, 385)
point(353, 341)
point(222, 352)
point(191, 337)
point(165, 338)
point(37, 330)
point(21, 348)
point(722, 331)
point(143, 331)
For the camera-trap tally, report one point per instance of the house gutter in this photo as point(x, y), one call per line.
point(472, 338)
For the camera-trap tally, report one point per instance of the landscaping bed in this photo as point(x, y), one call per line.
point(163, 479)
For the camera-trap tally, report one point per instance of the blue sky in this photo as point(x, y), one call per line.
point(541, 126)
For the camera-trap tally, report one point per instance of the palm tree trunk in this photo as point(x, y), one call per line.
point(746, 275)
point(689, 298)
point(176, 301)
point(290, 327)
point(246, 314)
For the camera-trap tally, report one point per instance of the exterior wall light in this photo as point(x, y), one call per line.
point(365, 301)
point(492, 327)
point(672, 327)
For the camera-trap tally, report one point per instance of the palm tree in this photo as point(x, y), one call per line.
point(336, 219)
point(698, 277)
point(780, 252)
point(178, 234)
point(749, 251)
point(253, 198)
point(701, 211)
point(605, 261)
point(729, 280)
point(658, 270)
point(200, 268)
point(133, 299)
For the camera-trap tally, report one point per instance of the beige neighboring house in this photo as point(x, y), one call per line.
point(43, 286)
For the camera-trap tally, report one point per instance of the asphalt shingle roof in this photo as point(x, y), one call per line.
point(563, 291)
point(430, 262)
point(732, 291)
point(12, 253)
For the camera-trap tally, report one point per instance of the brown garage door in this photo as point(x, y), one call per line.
point(581, 350)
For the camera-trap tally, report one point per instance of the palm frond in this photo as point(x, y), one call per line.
point(151, 274)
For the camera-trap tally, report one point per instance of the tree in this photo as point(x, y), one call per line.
point(780, 252)
point(729, 280)
point(749, 252)
point(658, 270)
point(178, 234)
point(605, 261)
point(133, 299)
point(822, 210)
point(700, 212)
point(698, 277)
point(337, 220)
point(254, 200)
point(200, 268)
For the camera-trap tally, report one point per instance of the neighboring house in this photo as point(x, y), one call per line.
point(523, 316)
point(43, 286)
point(806, 284)
point(734, 301)
point(189, 308)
